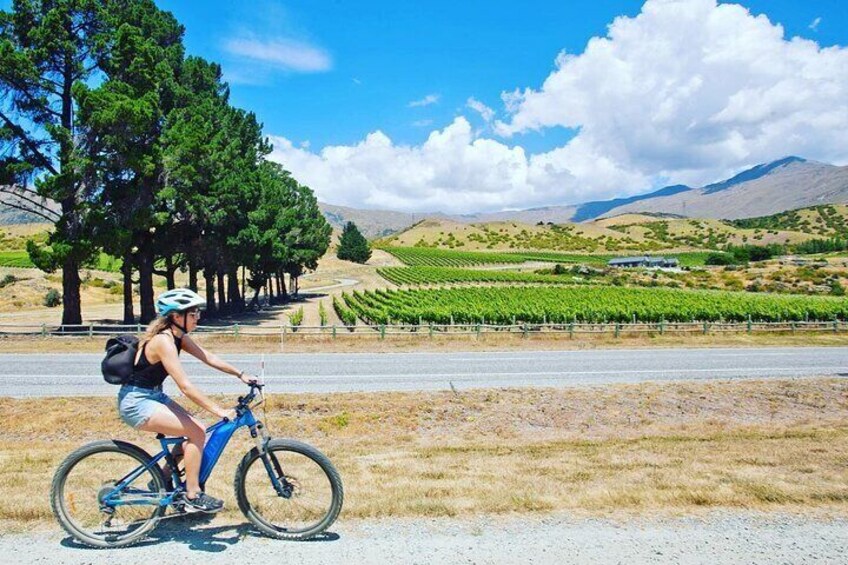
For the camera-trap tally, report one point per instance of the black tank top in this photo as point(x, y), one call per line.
point(146, 375)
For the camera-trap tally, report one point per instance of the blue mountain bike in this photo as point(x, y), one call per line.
point(112, 493)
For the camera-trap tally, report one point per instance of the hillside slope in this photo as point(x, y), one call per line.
point(767, 189)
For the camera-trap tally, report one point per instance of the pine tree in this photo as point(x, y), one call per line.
point(352, 245)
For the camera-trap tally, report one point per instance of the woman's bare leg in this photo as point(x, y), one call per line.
point(173, 421)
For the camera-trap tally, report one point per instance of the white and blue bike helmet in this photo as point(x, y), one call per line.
point(178, 300)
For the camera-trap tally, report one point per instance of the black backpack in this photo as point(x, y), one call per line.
point(119, 364)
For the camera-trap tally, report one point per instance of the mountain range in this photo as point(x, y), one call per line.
point(769, 188)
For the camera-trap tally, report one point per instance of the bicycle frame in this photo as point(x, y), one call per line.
point(218, 437)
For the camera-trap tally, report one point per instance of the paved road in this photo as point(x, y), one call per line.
point(715, 539)
point(68, 375)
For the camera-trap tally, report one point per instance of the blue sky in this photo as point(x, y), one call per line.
point(467, 106)
point(385, 54)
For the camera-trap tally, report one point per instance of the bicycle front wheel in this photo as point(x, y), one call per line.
point(309, 498)
point(84, 482)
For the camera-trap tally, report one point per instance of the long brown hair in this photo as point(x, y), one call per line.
point(157, 326)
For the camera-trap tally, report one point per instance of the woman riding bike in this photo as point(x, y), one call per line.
point(141, 402)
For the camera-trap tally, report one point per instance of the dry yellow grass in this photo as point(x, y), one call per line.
point(371, 342)
point(766, 445)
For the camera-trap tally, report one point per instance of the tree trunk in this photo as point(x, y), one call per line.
point(285, 294)
point(243, 270)
point(170, 269)
point(71, 303)
point(192, 277)
point(145, 282)
point(209, 276)
point(127, 270)
point(236, 302)
point(222, 295)
point(254, 302)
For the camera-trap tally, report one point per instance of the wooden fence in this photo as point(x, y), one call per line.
point(431, 330)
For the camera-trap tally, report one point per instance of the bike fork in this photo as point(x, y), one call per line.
point(271, 463)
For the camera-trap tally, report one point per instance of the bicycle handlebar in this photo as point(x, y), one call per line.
point(244, 401)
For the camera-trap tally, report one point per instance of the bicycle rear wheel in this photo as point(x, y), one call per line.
point(87, 476)
point(312, 490)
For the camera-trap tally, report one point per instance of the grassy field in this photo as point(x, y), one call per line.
point(770, 445)
point(21, 259)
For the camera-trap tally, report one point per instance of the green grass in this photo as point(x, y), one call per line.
point(21, 259)
point(15, 259)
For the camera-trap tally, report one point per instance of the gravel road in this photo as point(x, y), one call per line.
point(75, 375)
point(717, 538)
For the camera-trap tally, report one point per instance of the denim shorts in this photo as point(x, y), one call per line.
point(137, 404)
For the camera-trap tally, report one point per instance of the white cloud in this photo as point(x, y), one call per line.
point(426, 101)
point(815, 24)
point(485, 112)
point(281, 53)
point(422, 123)
point(451, 171)
point(692, 90)
point(688, 91)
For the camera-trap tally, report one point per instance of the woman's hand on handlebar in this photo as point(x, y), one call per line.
point(249, 379)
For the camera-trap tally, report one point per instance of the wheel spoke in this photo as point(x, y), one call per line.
point(312, 497)
point(86, 494)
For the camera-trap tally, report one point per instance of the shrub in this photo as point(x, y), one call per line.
point(296, 319)
point(52, 298)
point(7, 280)
point(719, 259)
point(322, 313)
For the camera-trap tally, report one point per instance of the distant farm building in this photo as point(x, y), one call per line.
point(647, 262)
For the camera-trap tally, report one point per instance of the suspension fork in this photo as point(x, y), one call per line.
point(270, 461)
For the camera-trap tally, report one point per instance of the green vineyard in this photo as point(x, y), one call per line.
point(449, 275)
point(430, 257)
point(565, 304)
point(425, 256)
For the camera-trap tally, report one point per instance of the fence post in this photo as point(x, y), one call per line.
point(749, 323)
point(382, 331)
point(617, 329)
point(138, 328)
point(236, 329)
point(792, 324)
point(706, 327)
point(662, 326)
point(90, 330)
point(431, 328)
point(571, 330)
point(478, 330)
point(334, 331)
point(43, 329)
point(835, 325)
point(525, 329)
